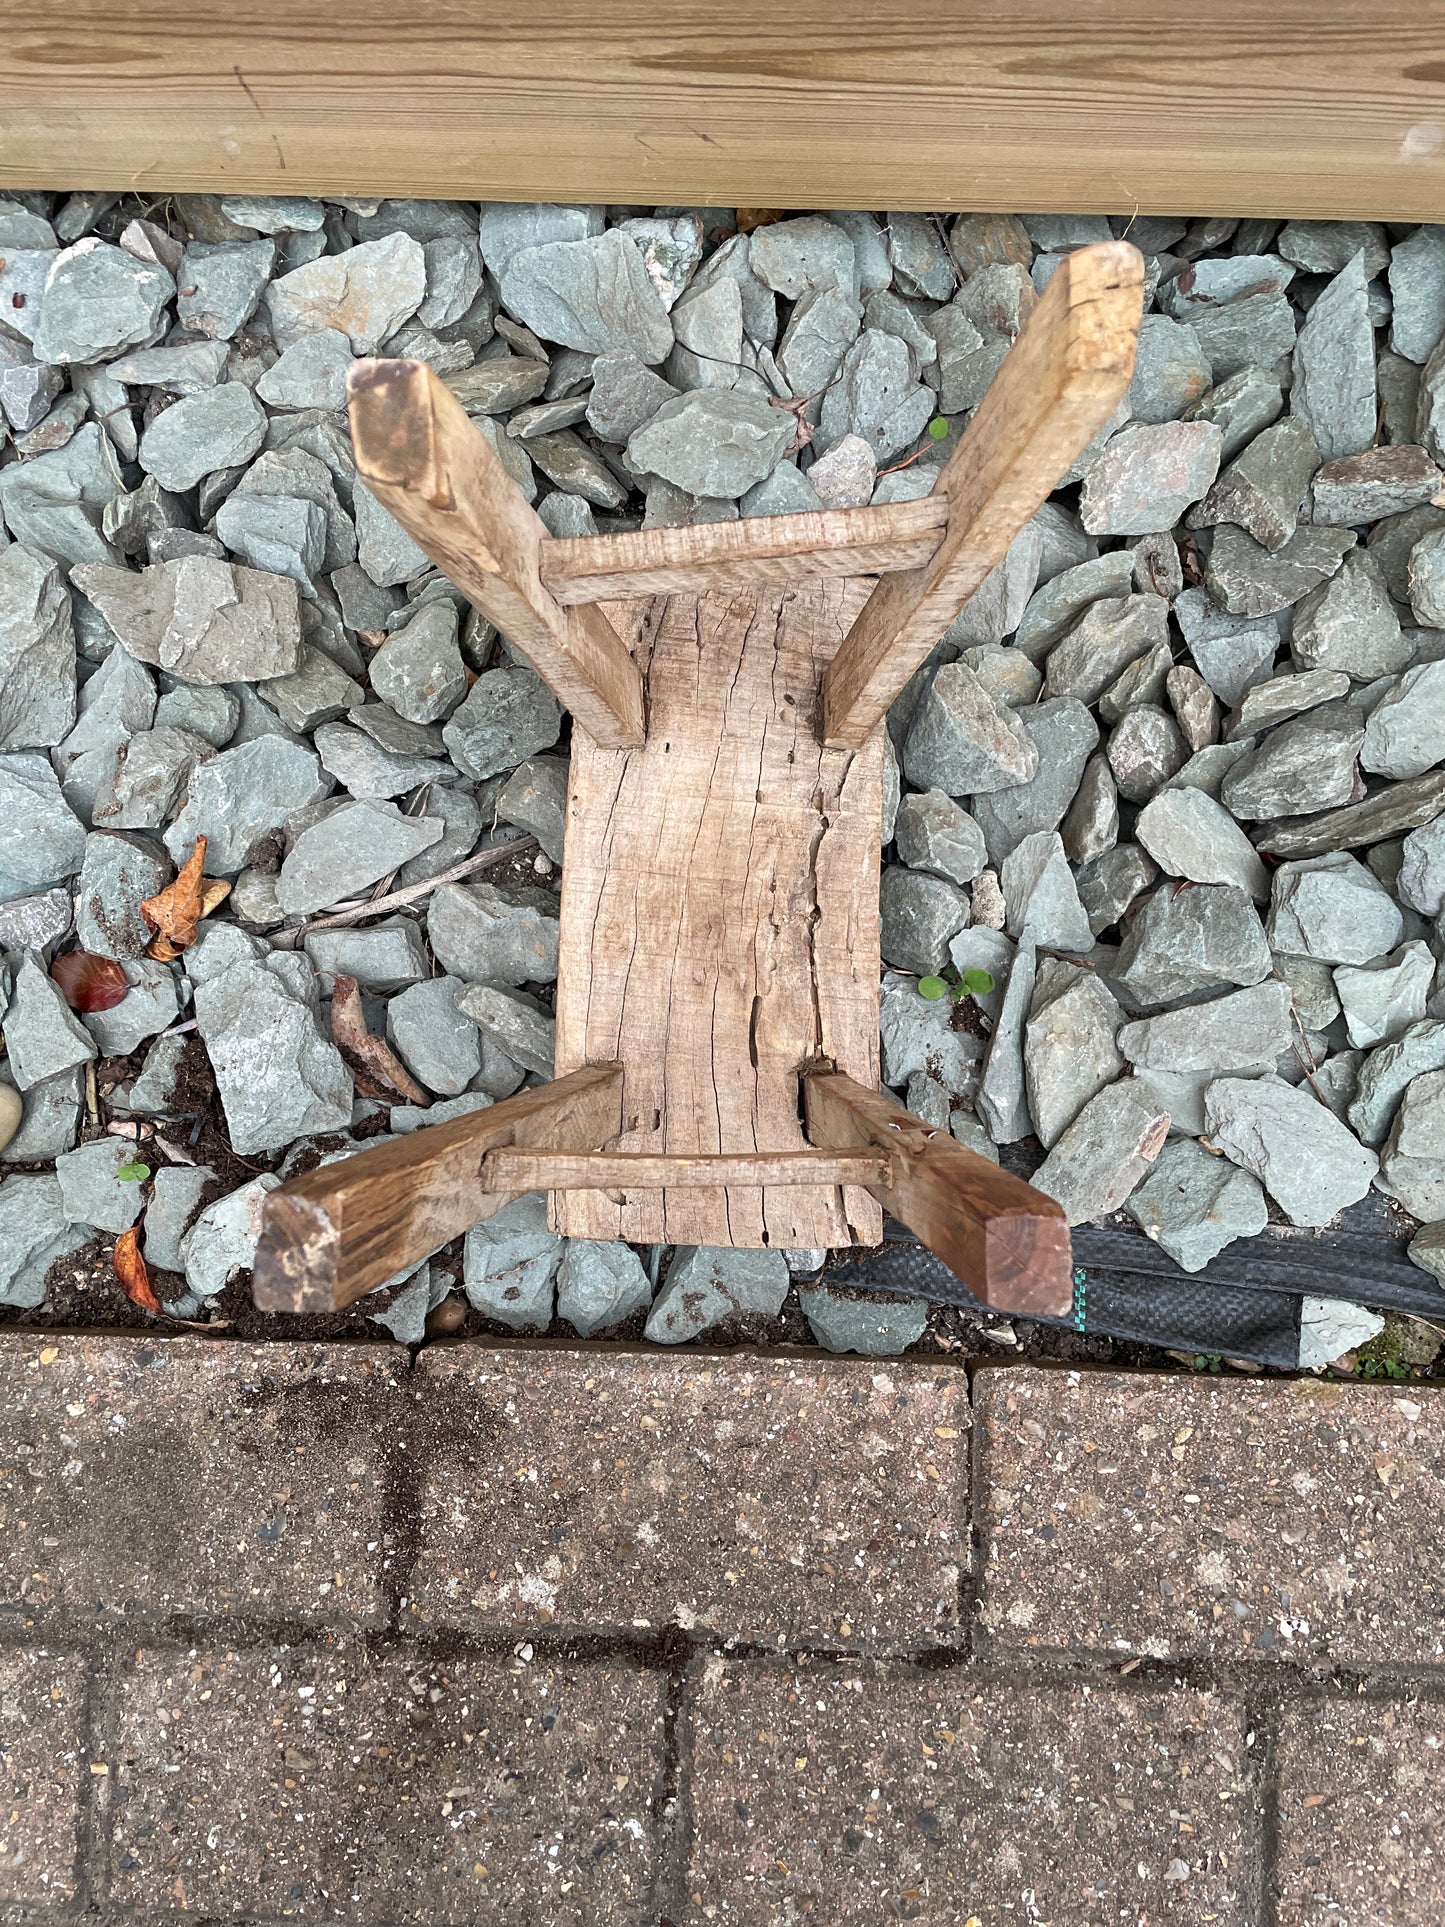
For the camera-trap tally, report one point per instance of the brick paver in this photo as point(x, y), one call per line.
point(183, 1477)
point(582, 1637)
point(43, 1768)
point(340, 1786)
point(1234, 1518)
point(1362, 1815)
point(761, 1498)
point(827, 1793)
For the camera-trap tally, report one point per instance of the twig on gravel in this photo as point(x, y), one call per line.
point(380, 906)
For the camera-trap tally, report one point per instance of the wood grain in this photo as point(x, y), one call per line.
point(345, 1228)
point(1302, 107)
point(720, 915)
point(423, 458)
point(1058, 385)
point(748, 553)
point(1008, 1242)
point(628, 1171)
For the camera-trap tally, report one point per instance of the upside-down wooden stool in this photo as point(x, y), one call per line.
point(717, 989)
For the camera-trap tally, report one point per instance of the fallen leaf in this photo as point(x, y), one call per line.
point(130, 1268)
point(89, 983)
point(374, 1062)
point(175, 914)
point(751, 217)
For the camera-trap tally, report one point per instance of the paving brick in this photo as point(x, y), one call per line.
point(43, 1768)
point(347, 1786)
point(182, 1476)
point(1202, 1517)
point(1362, 1815)
point(762, 1498)
point(835, 1794)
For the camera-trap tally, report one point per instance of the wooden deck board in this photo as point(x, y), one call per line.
point(1304, 108)
point(720, 914)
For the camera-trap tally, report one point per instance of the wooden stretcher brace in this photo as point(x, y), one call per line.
point(717, 993)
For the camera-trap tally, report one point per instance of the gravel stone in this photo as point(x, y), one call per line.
point(1104, 1153)
point(1092, 824)
point(202, 620)
point(118, 873)
point(1367, 487)
point(221, 284)
point(1389, 812)
point(935, 833)
point(223, 1238)
point(1038, 888)
point(1427, 1250)
point(386, 956)
point(508, 714)
point(1421, 879)
point(1144, 750)
point(1108, 635)
point(709, 1285)
point(1243, 1031)
point(364, 767)
point(34, 1232)
point(1069, 1048)
point(216, 428)
point(510, 1263)
point(876, 1328)
point(496, 386)
point(1065, 594)
point(90, 1191)
point(37, 652)
point(877, 397)
point(1348, 623)
point(1064, 735)
point(148, 773)
point(713, 442)
point(534, 799)
point(1240, 406)
point(41, 840)
point(311, 373)
point(347, 851)
point(508, 227)
point(516, 1027)
point(625, 394)
point(1265, 486)
point(1001, 1100)
point(1171, 370)
point(1334, 366)
point(42, 1036)
point(1303, 766)
point(1193, 1205)
point(1109, 883)
point(1387, 1072)
point(211, 713)
point(279, 1077)
point(918, 915)
point(365, 294)
point(964, 742)
point(919, 1036)
point(600, 1285)
point(1148, 475)
point(97, 301)
point(27, 387)
point(1333, 909)
point(148, 1006)
point(1247, 580)
point(418, 670)
point(1142, 682)
point(438, 1045)
point(1309, 1163)
point(1190, 835)
point(1274, 701)
point(1184, 941)
point(30, 923)
point(237, 798)
point(594, 294)
point(1427, 578)
point(503, 934)
point(1383, 999)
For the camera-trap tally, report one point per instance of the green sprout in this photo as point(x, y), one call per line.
point(128, 1173)
point(938, 429)
point(955, 986)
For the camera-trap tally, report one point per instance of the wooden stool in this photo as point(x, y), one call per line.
point(717, 990)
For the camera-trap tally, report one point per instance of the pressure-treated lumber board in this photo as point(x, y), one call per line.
point(720, 914)
point(748, 553)
point(514, 1171)
point(423, 457)
point(1009, 1243)
point(1058, 386)
point(1301, 107)
point(347, 1227)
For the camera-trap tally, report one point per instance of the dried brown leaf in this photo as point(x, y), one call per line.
point(175, 913)
point(751, 217)
point(377, 1068)
point(130, 1269)
point(88, 982)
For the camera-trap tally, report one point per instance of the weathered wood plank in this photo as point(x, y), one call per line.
point(1008, 1242)
point(423, 458)
point(345, 1228)
point(628, 1171)
point(1060, 383)
point(749, 553)
point(1303, 107)
point(720, 915)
